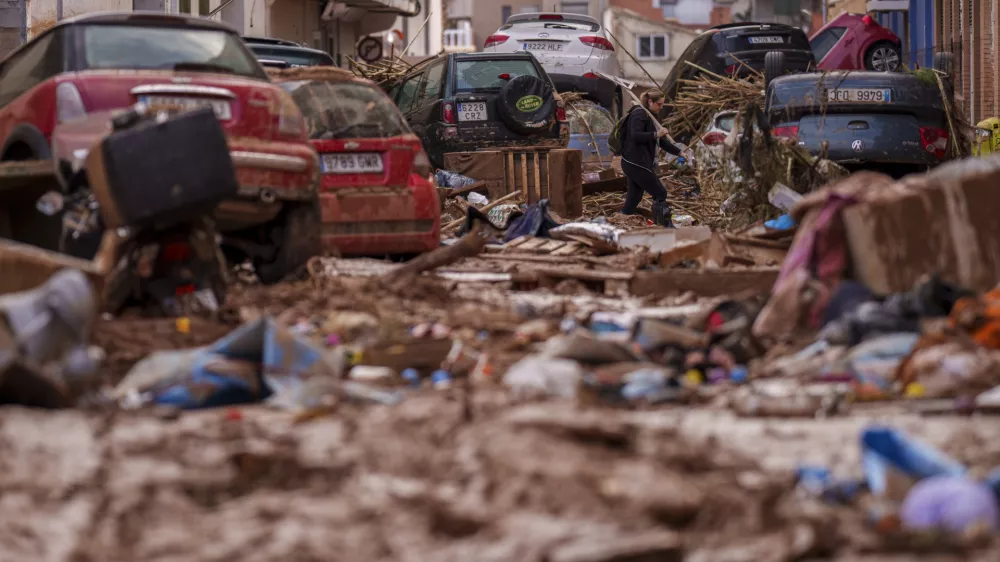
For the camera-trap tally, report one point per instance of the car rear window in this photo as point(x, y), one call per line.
point(824, 42)
point(725, 122)
point(485, 74)
point(292, 56)
point(164, 48)
point(566, 25)
point(341, 110)
point(598, 119)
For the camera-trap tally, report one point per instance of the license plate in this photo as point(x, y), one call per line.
point(353, 163)
point(775, 40)
point(542, 46)
point(862, 95)
point(221, 107)
point(472, 111)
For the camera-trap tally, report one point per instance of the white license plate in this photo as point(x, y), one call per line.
point(472, 111)
point(353, 163)
point(221, 108)
point(862, 95)
point(767, 40)
point(551, 46)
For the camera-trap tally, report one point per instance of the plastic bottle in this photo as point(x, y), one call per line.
point(441, 379)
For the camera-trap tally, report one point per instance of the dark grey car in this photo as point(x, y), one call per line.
point(891, 121)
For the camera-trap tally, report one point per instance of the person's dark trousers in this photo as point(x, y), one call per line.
point(642, 180)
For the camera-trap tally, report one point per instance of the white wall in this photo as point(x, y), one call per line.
point(692, 11)
point(42, 13)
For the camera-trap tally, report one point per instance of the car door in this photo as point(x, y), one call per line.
point(426, 109)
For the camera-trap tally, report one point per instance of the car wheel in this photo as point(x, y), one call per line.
point(774, 66)
point(883, 57)
point(297, 238)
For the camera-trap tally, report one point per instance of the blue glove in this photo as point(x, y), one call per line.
point(681, 160)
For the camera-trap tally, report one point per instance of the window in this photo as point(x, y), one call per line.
point(505, 13)
point(203, 7)
point(432, 85)
point(346, 110)
point(42, 60)
point(670, 11)
point(530, 9)
point(652, 46)
point(485, 74)
point(824, 42)
point(167, 48)
point(407, 93)
point(184, 6)
point(582, 8)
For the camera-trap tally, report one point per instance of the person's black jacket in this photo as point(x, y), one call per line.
point(640, 140)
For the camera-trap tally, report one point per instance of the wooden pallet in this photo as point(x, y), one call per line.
point(545, 246)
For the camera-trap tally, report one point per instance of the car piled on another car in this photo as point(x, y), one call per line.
point(76, 67)
point(467, 102)
point(856, 42)
point(376, 193)
point(894, 122)
point(278, 53)
point(590, 126)
point(574, 50)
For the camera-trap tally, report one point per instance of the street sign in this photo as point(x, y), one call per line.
point(370, 49)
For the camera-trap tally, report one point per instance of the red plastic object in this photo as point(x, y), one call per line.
point(934, 140)
point(497, 39)
point(598, 42)
point(791, 131)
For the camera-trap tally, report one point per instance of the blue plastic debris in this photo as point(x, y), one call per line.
point(784, 222)
point(411, 376)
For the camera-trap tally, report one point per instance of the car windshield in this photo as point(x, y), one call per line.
point(485, 74)
point(598, 119)
point(341, 110)
point(294, 57)
point(169, 48)
point(567, 24)
point(824, 42)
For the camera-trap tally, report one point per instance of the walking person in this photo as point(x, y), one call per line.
point(639, 158)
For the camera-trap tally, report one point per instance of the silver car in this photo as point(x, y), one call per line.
point(572, 48)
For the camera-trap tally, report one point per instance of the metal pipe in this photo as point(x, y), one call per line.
point(59, 10)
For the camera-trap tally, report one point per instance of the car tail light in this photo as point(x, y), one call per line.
point(730, 70)
point(790, 132)
point(69, 103)
point(560, 111)
point(175, 252)
point(555, 17)
point(867, 20)
point(448, 113)
point(289, 122)
point(934, 140)
point(504, 76)
point(494, 40)
point(182, 290)
point(421, 164)
point(590, 75)
point(598, 42)
point(713, 138)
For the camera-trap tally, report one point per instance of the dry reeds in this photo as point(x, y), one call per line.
point(385, 72)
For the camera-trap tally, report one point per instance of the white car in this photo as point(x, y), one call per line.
point(713, 140)
point(572, 48)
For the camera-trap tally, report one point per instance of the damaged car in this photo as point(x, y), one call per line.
point(892, 122)
point(107, 61)
point(377, 194)
point(468, 102)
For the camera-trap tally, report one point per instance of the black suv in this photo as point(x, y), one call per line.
point(735, 49)
point(466, 102)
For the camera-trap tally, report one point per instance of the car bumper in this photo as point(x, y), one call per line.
point(600, 89)
point(380, 221)
point(269, 174)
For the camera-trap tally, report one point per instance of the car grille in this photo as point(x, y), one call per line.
point(378, 227)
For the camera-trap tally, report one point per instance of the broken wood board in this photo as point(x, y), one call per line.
point(723, 250)
point(534, 245)
point(610, 283)
point(611, 185)
point(705, 282)
point(658, 239)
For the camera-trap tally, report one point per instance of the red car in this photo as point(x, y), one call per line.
point(114, 60)
point(856, 42)
point(377, 192)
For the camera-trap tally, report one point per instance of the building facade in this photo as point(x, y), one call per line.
point(656, 44)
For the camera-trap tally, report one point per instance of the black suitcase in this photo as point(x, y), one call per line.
point(161, 174)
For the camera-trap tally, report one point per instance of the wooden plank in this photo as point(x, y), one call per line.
point(551, 246)
point(542, 193)
point(532, 244)
point(545, 258)
point(511, 182)
point(517, 242)
point(587, 274)
point(569, 249)
point(705, 282)
point(532, 196)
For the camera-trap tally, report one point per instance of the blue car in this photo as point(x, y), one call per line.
point(596, 154)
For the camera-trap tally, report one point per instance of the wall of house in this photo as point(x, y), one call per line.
point(628, 26)
point(970, 29)
point(847, 6)
point(42, 13)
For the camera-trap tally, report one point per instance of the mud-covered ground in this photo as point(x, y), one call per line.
point(460, 474)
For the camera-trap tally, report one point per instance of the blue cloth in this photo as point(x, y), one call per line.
point(269, 357)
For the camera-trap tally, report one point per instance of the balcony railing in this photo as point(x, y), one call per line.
point(458, 41)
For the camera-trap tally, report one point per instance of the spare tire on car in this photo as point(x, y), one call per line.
point(526, 104)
